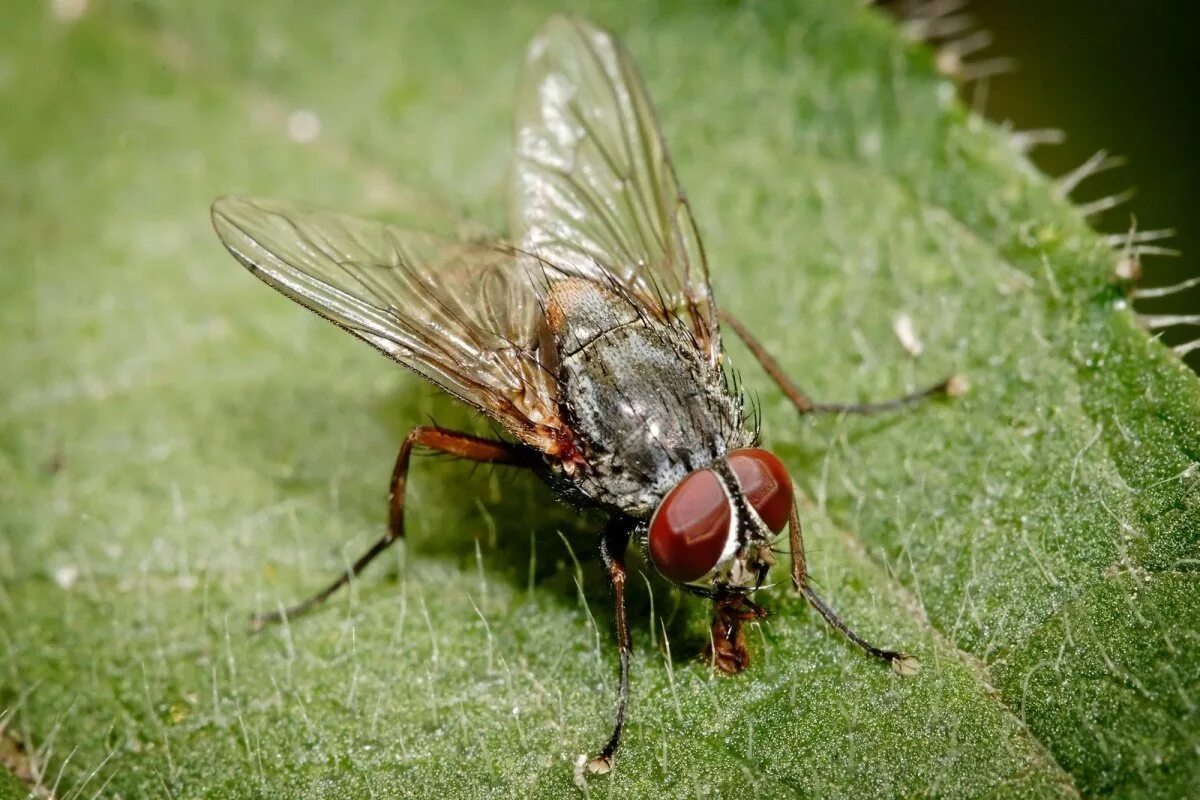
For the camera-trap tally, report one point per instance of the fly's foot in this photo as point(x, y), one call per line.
point(956, 386)
point(904, 665)
point(598, 765)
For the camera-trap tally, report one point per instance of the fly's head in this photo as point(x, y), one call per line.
point(715, 528)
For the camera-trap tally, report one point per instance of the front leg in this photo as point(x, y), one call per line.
point(902, 663)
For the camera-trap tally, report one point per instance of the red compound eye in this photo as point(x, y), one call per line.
point(766, 484)
point(689, 530)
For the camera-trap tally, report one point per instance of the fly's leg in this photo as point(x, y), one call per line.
point(460, 445)
point(952, 386)
point(902, 663)
point(612, 552)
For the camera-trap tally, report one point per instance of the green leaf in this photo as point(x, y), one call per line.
point(180, 447)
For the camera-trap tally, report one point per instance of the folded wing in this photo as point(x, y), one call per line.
point(463, 315)
point(593, 189)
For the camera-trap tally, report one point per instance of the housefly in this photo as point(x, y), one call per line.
point(590, 336)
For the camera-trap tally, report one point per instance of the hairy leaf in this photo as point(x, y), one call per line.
point(180, 447)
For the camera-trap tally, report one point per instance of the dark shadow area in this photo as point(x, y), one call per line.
point(524, 532)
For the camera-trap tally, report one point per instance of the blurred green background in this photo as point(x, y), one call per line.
point(1115, 75)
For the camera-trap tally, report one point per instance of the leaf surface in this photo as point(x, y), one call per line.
point(180, 447)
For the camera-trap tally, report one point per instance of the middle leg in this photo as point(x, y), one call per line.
point(952, 386)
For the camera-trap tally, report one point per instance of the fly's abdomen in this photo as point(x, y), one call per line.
point(647, 409)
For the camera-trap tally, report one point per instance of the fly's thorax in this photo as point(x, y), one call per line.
point(646, 407)
point(578, 311)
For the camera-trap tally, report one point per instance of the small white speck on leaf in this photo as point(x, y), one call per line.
point(303, 126)
point(580, 775)
point(66, 576)
point(870, 144)
point(68, 10)
point(906, 332)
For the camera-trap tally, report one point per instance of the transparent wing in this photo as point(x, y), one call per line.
point(460, 314)
point(593, 188)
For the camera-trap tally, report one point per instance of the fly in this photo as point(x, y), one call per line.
point(590, 336)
